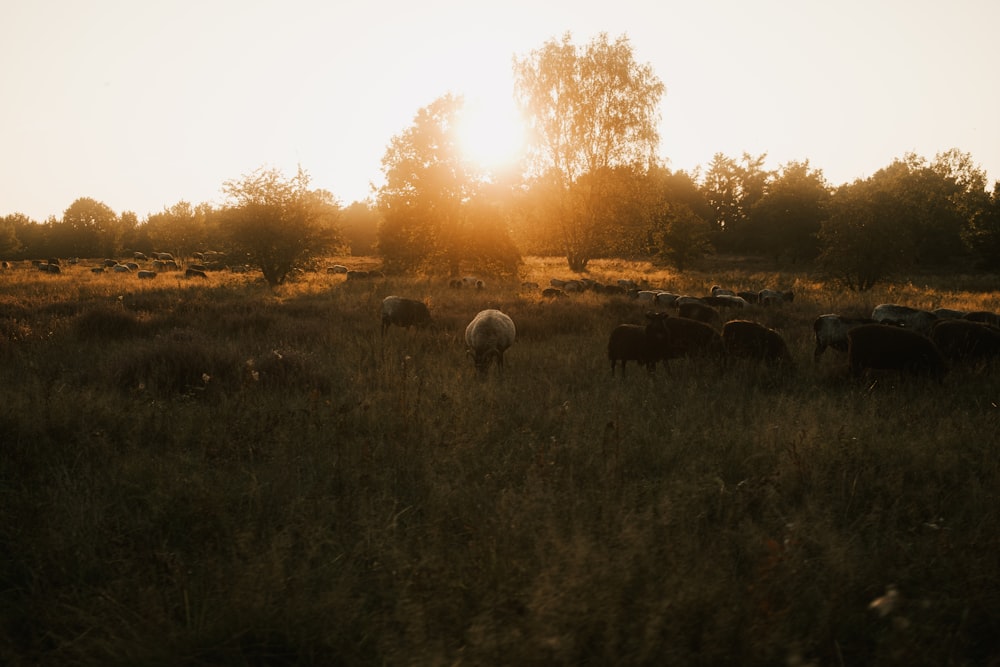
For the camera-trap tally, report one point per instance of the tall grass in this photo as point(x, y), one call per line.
point(225, 474)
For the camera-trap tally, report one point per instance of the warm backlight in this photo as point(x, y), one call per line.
point(491, 134)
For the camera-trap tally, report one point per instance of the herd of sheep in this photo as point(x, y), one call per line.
point(895, 337)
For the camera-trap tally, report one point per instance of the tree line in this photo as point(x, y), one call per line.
point(590, 186)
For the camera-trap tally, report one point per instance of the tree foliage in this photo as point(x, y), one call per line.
point(279, 222)
point(591, 110)
point(433, 203)
point(88, 228)
point(786, 220)
point(732, 188)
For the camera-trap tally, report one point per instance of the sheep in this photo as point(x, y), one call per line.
point(983, 316)
point(725, 301)
point(553, 293)
point(195, 273)
point(694, 310)
point(948, 313)
point(750, 340)
point(920, 321)
point(831, 331)
point(644, 344)
point(691, 338)
point(718, 291)
point(886, 347)
point(404, 313)
point(121, 268)
point(667, 299)
point(965, 340)
point(749, 297)
point(487, 337)
point(770, 297)
point(146, 275)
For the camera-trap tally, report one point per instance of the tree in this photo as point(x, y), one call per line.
point(982, 235)
point(426, 181)
point(89, 228)
point(360, 223)
point(786, 220)
point(180, 229)
point(865, 238)
point(591, 110)
point(732, 188)
point(438, 210)
point(279, 222)
point(685, 237)
point(9, 243)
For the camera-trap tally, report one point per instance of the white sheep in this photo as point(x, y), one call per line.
point(488, 335)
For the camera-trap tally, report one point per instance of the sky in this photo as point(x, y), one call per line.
point(141, 105)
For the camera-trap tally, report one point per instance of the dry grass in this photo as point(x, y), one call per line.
point(218, 473)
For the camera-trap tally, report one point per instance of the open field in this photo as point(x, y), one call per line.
point(211, 472)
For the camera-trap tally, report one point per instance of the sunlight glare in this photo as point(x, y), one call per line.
point(491, 134)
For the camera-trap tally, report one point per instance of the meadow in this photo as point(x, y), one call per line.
point(212, 472)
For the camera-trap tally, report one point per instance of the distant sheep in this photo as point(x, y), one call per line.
point(983, 316)
point(691, 338)
point(553, 293)
point(920, 321)
point(770, 297)
point(744, 339)
point(887, 347)
point(404, 313)
point(195, 273)
point(644, 344)
point(831, 331)
point(487, 337)
point(702, 312)
point(146, 275)
point(966, 341)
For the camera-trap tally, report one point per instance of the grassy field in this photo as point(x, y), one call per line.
point(214, 473)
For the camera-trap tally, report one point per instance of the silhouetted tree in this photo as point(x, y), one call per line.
point(279, 222)
point(786, 220)
point(89, 228)
point(10, 246)
point(732, 188)
point(591, 110)
point(685, 237)
point(436, 206)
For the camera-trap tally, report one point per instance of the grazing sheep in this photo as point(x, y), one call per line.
point(888, 347)
point(831, 331)
point(646, 295)
point(195, 273)
point(691, 338)
point(718, 291)
point(644, 344)
point(965, 340)
point(488, 335)
point(948, 313)
point(667, 299)
point(725, 301)
point(749, 297)
point(337, 268)
point(146, 275)
point(553, 293)
point(770, 297)
point(694, 310)
point(983, 316)
point(920, 321)
point(404, 313)
point(744, 339)
point(121, 268)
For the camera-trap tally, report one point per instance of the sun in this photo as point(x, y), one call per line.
point(491, 133)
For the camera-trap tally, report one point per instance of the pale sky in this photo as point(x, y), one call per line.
point(142, 104)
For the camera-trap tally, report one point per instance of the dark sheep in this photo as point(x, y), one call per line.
point(644, 344)
point(691, 338)
point(195, 273)
point(831, 331)
point(888, 347)
point(553, 293)
point(744, 339)
point(702, 312)
point(404, 313)
point(966, 341)
point(983, 316)
point(918, 320)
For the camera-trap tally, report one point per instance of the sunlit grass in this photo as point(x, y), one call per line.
point(219, 472)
